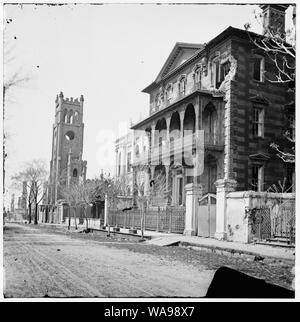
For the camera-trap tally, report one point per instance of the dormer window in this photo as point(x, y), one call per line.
point(258, 68)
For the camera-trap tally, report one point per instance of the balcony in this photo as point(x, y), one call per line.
point(172, 150)
point(177, 96)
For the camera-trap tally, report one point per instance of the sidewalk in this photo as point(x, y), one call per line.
point(208, 244)
point(214, 245)
point(221, 246)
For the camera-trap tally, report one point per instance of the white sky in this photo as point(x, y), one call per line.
point(108, 53)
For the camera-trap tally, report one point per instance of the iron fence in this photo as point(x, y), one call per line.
point(168, 219)
point(278, 222)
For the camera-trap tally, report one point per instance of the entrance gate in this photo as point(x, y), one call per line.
point(207, 216)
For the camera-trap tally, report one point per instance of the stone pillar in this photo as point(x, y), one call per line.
point(224, 186)
point(193, 193)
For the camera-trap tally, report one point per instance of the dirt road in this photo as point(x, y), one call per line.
point(42, 264)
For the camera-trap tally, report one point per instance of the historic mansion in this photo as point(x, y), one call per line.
point(212, 117)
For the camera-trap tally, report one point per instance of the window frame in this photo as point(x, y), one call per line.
point(182, 85)
point(261, 68)
point(169, 92)
point(260, 121)
point(258, 184)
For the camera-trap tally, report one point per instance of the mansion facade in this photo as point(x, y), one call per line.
point(212, 117)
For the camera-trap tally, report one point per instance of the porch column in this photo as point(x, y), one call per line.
point(193, 193)
point(196, 138)
point(152, 134)
point(166, 148)
point(196, 108)
point(181, 114)
point(224, 186)
point(167, 168)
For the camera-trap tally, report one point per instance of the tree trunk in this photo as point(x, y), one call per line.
point(86, 219)
point(75, 218)
point(69, 213)
point(36, 214)
point(29, 213)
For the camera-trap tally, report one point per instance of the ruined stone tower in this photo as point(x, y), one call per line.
point(66, 165)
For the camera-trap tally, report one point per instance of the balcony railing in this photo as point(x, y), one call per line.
point(177, 97)
point(173, 149)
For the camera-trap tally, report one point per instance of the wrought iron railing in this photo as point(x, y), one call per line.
point(168, 219)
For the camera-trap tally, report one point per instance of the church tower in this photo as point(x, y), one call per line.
point(66, 165)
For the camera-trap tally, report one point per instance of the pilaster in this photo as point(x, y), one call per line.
point(224, 186)
point(193, 193)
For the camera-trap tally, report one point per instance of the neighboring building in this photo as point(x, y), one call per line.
point(66, 165)
point(221, 88)
point(124, 155)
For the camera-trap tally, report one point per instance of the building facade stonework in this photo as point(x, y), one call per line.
point(213, 114)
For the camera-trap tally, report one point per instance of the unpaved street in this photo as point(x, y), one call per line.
point(38, 263)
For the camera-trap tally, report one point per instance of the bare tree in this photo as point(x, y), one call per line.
point(70, 194)
point(11, 80)
point(34, 174)
point(280, 49)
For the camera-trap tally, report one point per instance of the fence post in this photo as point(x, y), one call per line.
point(170, 219)
point(157, 220)
point(105, 210)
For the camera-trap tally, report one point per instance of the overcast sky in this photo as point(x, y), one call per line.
point(108, 53)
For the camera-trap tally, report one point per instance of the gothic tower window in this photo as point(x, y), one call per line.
point(75, 173)
point(70, 135)
point(71, 118)
point(65, 116)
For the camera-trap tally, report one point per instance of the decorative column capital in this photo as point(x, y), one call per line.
point(193, 188)
point(226, 185)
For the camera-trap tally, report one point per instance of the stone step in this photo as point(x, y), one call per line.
point(280, 239)
point(275, 244)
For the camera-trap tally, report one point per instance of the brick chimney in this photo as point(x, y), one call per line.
point(274, 19)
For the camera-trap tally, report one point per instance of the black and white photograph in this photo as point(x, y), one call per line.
point(149, 153)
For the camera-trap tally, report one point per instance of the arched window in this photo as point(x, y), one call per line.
point(75, 173)
point(65, 116)
point(76, 117)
